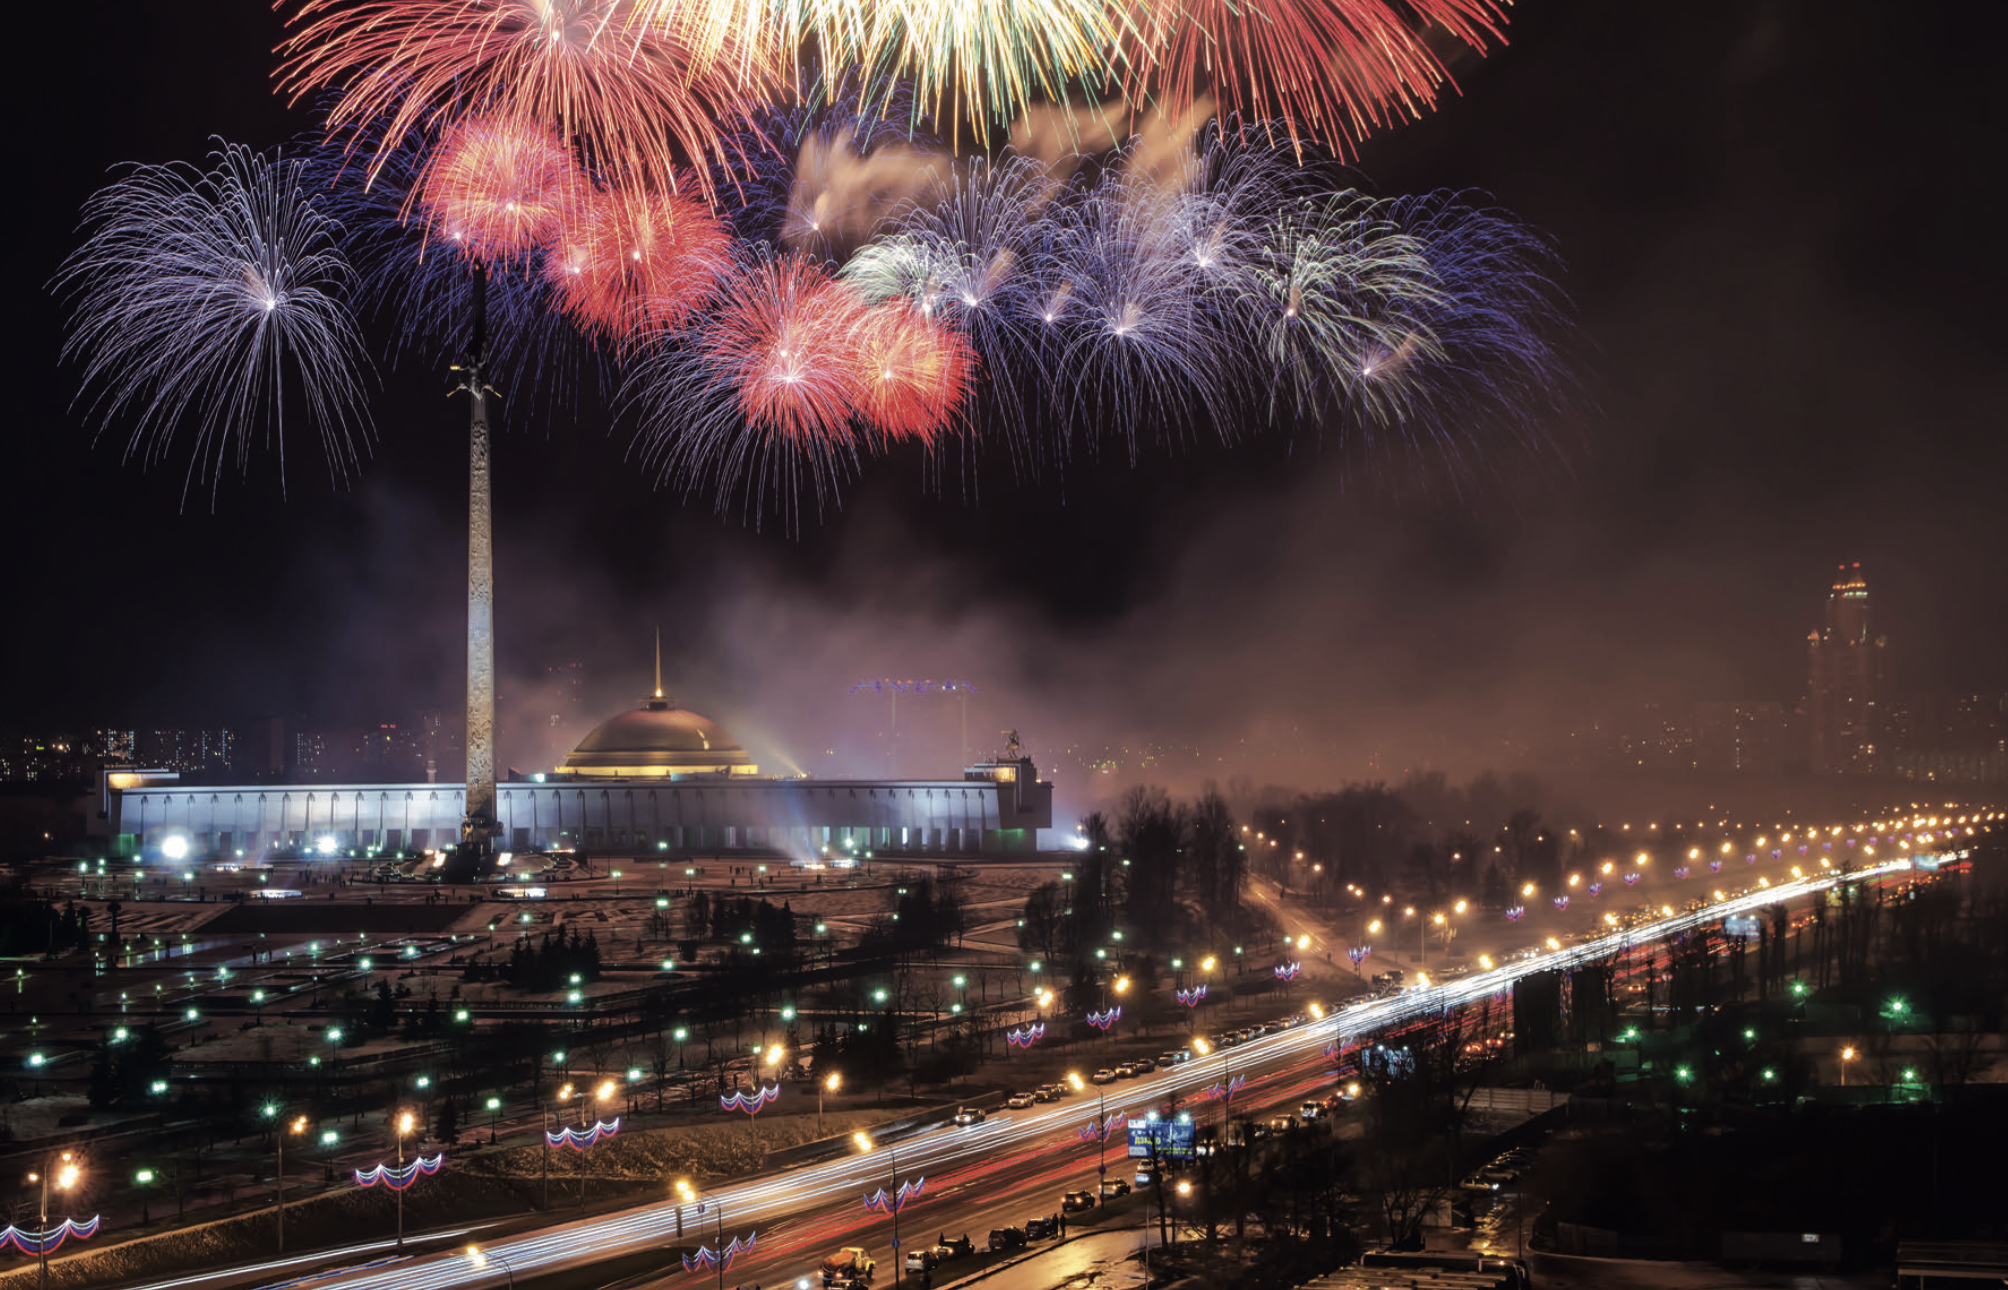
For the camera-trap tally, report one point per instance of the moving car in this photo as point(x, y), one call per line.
point(1006, 1238)
point(1112, 1188)
point(1019, 1101)
point(968, 1115)
point(1145, 1176)
point(1075, 1202)
point(848, 1264)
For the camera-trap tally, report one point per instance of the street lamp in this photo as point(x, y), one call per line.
point(63, 1171)
point(297, 1126)
point(830, 1085)
point(1847, 1055)
point(1101, 1127)
point(406, 1122)
point(687, 1195)
point(865, 1144)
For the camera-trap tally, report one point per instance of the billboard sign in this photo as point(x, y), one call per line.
point(1172, 1139)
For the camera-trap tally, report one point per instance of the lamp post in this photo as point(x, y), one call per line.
point(64, 1169)
point(606, 1090)
point(1847, 1055)
point(830, 1085)
point(865, 1144)
point(279, 1132)
point(479, 1257)
point(405, 1123)
point(494, 1113)
point(688, 1196)
point(1101, 1128)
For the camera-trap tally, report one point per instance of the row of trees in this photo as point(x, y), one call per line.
point(1170, 873)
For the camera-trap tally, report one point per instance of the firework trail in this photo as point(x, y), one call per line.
point(1337, 292)
point(1499, 319)
point(917, 373)
point(1139, 343)
point(984, 259)
point(760, 400)
point(973, 62)
point(414, 278)
point(499, 188)
point(635, 96)
point(633, 261)
point(206, 301)
point(1320, 70)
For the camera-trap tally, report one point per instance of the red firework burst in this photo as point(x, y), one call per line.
point(631, 93)
point(633, 260)
point(787, 340)
point(499, 188)
point(917, 371)
point(1326, 69)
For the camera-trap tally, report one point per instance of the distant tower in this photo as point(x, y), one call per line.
point(1844, 681)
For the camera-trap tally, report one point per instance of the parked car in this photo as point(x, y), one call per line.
point(1145, 1176)
point(1126, 1071)
point(1075, 1202)
point(1103, 1076)
point(968, 1115)
point(959, 1248)
point(1169, 1058)
point(1311, 1110)
point(1006, 1238)
point(1185, 1055)
point(1112, 1188)
point(1042, 1229)
point(1019, 1101)
point(1045, 1093)
point(848, 1264)
point(920, 1260)
point(1282, 1123)
point(1144, 1065)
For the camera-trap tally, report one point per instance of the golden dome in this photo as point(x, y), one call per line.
point(657, 740)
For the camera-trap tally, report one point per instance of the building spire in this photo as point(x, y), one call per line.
point(658, 661)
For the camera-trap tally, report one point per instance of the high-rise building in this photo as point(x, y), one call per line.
point(1844, 681)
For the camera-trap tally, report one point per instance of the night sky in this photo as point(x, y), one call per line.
point(1781, 222)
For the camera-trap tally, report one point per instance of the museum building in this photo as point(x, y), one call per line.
point(656, 779)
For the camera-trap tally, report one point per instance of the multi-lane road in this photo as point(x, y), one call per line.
point(1014, 1165)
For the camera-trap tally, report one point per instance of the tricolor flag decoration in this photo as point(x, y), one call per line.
point(1103, 1020)
point(751, 1103)
point(706, 1258)
point(880, 1203)
point(398, 1179)
point(38, 1243)
point(580, 1139)
point(1027, 1037)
